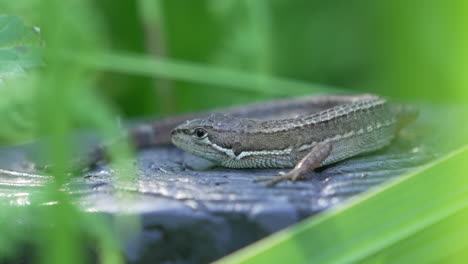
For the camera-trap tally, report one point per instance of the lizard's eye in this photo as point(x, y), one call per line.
point(200, 133)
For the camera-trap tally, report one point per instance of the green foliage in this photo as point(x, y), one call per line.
point(239, 81)
point(16, 111)
point(49, 102)
point(18, 47)
point(95, 59)
point(19, 51)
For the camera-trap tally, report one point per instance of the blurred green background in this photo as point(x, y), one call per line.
point(410, 49)
point(95, 60)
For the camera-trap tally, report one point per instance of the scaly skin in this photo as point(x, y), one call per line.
point(343, 127)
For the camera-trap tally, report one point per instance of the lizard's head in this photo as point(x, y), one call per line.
point(211, 138)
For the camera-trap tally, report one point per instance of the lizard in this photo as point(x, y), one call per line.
point(301, 133)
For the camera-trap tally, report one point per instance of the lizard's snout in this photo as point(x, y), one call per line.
point(176, 131)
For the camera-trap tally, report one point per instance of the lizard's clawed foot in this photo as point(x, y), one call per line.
point(282, 176)
point(307, 164)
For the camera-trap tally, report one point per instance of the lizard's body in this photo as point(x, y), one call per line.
point(303, 133)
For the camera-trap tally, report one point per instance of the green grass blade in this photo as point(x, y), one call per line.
point(436, 242)
point(378, 223)
point(203, 74)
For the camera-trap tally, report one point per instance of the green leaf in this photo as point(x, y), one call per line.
point(199, 73)
point(19, 46)
point(19, 51)
point(419, 218)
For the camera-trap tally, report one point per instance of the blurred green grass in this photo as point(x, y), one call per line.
point(394, 48)
point(106, 58)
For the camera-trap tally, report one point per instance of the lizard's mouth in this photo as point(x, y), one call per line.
point(179, 139)
point(186, 143)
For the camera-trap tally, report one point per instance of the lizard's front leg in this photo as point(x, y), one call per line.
point(311, 161)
